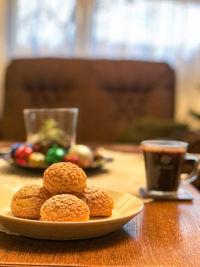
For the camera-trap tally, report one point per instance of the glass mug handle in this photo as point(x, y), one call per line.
point(194, 174)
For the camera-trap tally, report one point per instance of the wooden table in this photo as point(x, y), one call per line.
point(164, 234)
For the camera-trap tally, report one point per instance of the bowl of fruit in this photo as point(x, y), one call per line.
point(34, 157)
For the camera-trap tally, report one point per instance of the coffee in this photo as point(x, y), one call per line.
point(163, 168)
point(164, 162)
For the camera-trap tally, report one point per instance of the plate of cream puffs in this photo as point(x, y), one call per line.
point(64, 208)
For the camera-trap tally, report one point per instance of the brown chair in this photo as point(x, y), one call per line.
point(110, 94)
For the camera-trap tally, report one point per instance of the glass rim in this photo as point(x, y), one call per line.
point(164, 143)
point(25, 110)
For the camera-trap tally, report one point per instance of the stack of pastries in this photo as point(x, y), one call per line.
point(64, 197)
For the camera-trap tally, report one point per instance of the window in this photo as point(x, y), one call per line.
point(43, 27)
point(137, 29)
point(146, 29)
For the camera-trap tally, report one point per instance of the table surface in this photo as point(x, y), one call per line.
point(165, 233)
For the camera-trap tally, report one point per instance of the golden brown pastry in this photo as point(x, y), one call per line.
point(99, 201)
point(64, 208)
point(64, 177)
point(26, 202)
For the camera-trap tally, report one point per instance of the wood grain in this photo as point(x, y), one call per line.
point(164, 234)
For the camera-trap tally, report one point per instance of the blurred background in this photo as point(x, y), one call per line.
point(147, 30)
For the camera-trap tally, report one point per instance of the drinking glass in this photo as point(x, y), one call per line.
point(164, 161)
point(50, 126)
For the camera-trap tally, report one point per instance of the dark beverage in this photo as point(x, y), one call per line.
point(163, 168)
point(164, 163)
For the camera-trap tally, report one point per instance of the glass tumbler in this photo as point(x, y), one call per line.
point(52, 126)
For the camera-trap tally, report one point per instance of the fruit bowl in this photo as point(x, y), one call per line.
point(95, 165)
point(25, 157)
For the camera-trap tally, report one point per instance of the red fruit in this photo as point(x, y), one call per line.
point(71, 158)
point(36, 147)
point(18, 152)
point(27, 151)
point(22, 153)
point(20, 161)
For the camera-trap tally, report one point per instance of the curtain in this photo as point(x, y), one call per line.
point(60, 28)
point(42, 28)
point(155, 30)
point(158, 31)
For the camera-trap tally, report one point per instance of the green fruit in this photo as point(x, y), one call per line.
point(55, 154)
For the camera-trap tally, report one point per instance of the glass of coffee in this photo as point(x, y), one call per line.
point(164, 161)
